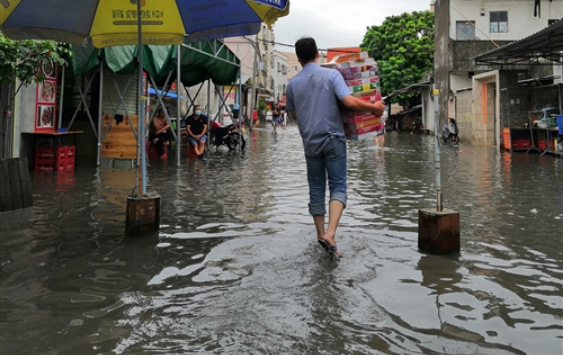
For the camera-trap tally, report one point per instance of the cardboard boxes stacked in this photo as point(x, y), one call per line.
point(361, 74)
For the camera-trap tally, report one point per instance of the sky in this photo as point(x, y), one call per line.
point(337, 23)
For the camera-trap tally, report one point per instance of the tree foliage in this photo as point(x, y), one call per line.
point(20, 60)
point(20, 63)
point(403, 47)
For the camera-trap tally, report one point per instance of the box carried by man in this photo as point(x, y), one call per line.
point(361, 74)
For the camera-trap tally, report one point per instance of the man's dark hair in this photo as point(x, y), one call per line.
point(306, 49)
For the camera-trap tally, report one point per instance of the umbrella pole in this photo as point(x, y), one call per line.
point(141, 105)
point(178, 107)
point(100, 121)
point(143, 212)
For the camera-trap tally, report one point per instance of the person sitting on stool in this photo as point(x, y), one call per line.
point(196, 126)
point(159, 132)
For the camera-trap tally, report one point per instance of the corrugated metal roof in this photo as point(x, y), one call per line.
point(547, 44)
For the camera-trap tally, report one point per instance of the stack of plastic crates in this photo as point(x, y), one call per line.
point(45, 159)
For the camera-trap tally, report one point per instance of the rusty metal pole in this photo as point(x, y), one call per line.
point(438, 229)
point(439, 198)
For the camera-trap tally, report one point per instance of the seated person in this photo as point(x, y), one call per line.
point(196, 127)
point(159, 132)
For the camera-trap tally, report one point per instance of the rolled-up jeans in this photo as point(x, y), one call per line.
point(331, 163)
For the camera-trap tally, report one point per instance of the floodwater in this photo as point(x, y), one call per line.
point(236, 269)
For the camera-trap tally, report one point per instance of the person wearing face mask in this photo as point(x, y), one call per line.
point(196, 127)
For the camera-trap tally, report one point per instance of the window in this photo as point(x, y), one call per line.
point(499, 22)
point(465, 30)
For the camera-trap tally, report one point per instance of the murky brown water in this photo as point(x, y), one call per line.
point(236, 268)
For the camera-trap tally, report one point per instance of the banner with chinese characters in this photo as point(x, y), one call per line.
point(46, 99)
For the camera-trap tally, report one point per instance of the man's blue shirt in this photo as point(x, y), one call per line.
point(314, 94)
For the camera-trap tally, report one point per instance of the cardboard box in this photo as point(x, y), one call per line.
point(363, 130)
point(350, 56)
point(359, 85)
point(352, 117)
point(373, 121)
point(359, 82)
point(350, 74)
point(359, 63)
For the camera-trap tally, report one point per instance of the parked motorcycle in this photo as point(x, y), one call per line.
point(227, 135)
point(416, 127)
point(450, 132)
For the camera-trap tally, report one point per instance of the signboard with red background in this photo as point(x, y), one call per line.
point(46, 99)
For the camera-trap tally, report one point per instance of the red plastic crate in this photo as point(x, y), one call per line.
point(62, 165)
point(506, 138)
point(42, 166)
point(65, 165)
point(44, 153)
point(66, 152)
point(521, 144)
point(542, 144)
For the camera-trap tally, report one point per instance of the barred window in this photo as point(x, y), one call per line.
point(499, 22)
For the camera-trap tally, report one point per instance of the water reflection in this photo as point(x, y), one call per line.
point(236, 268)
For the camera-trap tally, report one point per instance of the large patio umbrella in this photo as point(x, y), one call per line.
point(124, 22)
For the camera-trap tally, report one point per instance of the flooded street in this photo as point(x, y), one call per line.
point(236, 268)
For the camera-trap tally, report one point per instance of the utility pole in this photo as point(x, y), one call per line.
point(254, 82)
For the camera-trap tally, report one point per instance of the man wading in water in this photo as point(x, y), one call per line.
point(312, 100)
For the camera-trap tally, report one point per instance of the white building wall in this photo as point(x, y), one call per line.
point(243, 48)
point(521, 20)
point(279, 73)
point(460, 82)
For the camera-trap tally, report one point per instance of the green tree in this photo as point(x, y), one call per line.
point(19, 64)
point(403, 47)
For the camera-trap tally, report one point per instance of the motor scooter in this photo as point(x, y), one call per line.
point(416, 127)
point(227, 134)
point(450, 132)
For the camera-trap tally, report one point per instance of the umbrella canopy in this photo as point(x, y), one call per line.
point(114, 22)
point(221, 66)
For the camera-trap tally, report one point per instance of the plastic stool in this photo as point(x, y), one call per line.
point(191, 151)
point(151, 150)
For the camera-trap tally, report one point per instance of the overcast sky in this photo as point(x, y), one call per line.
point(338, 23)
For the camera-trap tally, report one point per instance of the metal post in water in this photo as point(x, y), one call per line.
point(142, 98)
point(438, 229)
point(100, 120)
point(208, 131)
point(439, 198)
point(142, 214)
point(178, 107)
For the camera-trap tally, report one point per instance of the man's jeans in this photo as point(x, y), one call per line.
point(194, 142)
point(331, 161)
